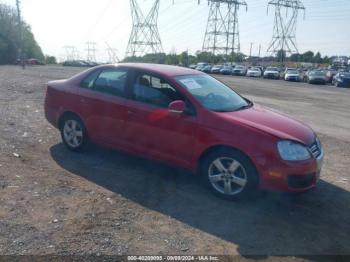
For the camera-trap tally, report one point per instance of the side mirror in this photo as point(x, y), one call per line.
point(177, 107)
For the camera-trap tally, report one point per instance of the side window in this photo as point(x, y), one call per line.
point(88, 82)
point(111, 81)
point(153, 90)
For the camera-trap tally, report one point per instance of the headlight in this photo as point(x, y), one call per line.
point(292, 151)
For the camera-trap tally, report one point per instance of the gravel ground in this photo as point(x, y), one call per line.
point(104, 202)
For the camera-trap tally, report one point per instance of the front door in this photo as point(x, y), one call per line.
point(151, 129)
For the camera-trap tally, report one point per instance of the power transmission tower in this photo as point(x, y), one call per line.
point(112, 54)
point(222, 34)
point(91, 51)
point(284, 30)
point(71, 53)
point(144, 36)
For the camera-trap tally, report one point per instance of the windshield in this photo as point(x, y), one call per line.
point(317, 73)
point(294, 72)
point(213, 94)
point(271, 69)
point(345, 74)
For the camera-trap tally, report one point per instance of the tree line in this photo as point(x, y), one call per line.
point(11, 40)
point(186, 59)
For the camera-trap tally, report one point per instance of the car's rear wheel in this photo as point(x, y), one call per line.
point(229, 174)
point(73, 133)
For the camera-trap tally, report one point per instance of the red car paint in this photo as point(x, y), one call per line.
point(181, 140)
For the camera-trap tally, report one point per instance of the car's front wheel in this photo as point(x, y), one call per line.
point(73, 133)
point(229, 174)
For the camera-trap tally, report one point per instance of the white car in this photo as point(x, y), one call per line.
point(272, 73)
point(254, 72)
point(292, 75)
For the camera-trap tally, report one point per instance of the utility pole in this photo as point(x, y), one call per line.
point(250, 52)
point(21, 53)
point(284, 30)
point(144, 38)
point(222, 33)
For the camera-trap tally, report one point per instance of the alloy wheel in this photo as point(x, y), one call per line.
point(73, 133)
point(227, 176)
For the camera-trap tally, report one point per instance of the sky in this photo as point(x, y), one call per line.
point(182, 25)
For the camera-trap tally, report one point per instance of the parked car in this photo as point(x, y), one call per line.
point(206, 69)
point(226, 70)
point(342, 79)
point(292, 75)
point(272, 73)
point(78, 63)
point(216, 69)
point(317, 77)
point(330, 73)
point(189, 119)
point(286, 70)
point(201, 66)
point(193, 66)
point(239, 70)
point(254, 72)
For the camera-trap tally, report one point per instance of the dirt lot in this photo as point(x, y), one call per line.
point(104, 202)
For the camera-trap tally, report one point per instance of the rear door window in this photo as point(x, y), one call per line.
point(112, 82)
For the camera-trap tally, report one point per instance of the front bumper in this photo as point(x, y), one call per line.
point(317, 80)
point(271, 76)
point(290, 177)
point(293, 78)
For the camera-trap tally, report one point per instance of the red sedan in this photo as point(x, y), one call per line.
point(188, 119)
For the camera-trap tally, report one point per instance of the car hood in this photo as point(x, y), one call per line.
point(273, 123)
point(292, 75)
point(271, 72)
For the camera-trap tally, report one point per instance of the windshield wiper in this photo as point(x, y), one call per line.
point(245, 107)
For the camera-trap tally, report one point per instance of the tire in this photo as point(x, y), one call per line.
point(73, 133)
point(238, 183)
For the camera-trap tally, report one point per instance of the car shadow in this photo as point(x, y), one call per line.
point(313, 223)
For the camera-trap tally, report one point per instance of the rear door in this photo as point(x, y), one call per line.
point(103, 105)
point(151, 129)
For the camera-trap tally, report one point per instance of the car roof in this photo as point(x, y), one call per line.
point(166, 70)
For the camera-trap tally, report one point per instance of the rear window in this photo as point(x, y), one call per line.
point(89, 81)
